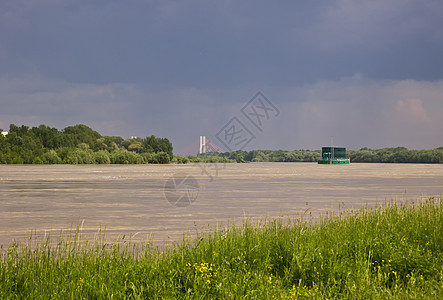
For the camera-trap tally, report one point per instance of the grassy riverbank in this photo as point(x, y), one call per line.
point(393, 251)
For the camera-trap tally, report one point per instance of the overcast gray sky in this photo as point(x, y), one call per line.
point(368, 73)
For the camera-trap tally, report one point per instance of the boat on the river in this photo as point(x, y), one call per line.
point(333, 156)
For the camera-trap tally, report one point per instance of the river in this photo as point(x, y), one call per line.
point(160, 202)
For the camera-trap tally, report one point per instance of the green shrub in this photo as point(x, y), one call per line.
point(179, 159)
point(126, 157)
point(37, 161)
point(51, 157)
point(102, 157)
point(78, 156)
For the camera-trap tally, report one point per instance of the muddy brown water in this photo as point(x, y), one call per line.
point(160, 202)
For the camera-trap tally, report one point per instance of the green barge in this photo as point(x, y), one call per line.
point(333, 156)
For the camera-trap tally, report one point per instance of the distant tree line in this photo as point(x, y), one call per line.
point(259, 156)
point(79, 144)
point(396, 155)
point(364, 155)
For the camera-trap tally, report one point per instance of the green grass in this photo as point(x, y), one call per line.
point(394, 251)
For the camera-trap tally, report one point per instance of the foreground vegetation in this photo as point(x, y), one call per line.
point(388, 252)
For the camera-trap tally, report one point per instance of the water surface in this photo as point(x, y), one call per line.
point(130, 199)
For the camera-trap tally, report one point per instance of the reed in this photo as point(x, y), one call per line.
point(391, 251)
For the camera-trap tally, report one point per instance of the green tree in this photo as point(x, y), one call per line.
point(82, 134)
point(136, 147)
point(20, 131)
point(79, 156)
point(17, 159)
point(126, 157)
point(48, 136)
point(116, 139)
point(105, 143)
point(37, 161)
point(83, 146)
point(162, 158)
point(102, 157)
point(78, 144)
point(51, 157)
point(179, 159)
point(155, 145)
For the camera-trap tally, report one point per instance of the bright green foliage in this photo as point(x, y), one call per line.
point(78, 144)
point(79, 156)
point(180, 159)
point(51, 157)
point(161, 158)
point(391, 252)
point(102, 157)
point(126, 157)
point(154, 145)
point(82, 134)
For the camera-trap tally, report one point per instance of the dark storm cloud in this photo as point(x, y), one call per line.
point(183, 68)
point(200, 43)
